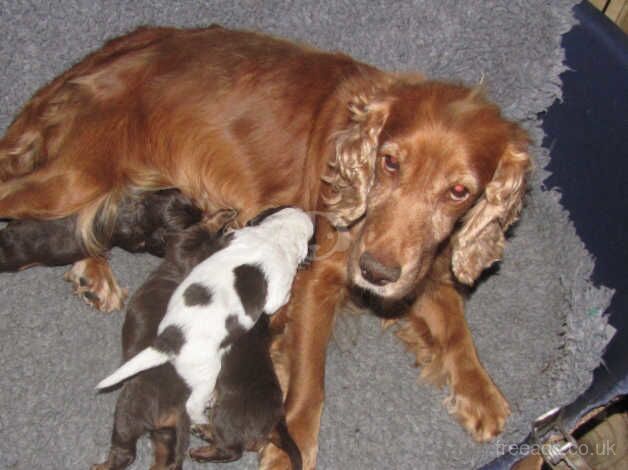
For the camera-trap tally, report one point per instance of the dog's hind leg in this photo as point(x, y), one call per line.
point(81, 181)
point(50, 193)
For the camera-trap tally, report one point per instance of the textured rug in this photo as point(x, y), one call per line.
point(537, 320)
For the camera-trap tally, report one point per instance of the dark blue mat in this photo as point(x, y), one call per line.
point(587, 134)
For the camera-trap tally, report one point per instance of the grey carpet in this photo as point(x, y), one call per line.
point(537, 322)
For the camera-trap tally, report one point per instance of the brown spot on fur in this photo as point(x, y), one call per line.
point(170, 340)
point(251, 286)
point(197, 295)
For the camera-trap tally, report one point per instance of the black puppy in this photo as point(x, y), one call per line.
point(142, 222)
point(154, 401)
point(247, 410)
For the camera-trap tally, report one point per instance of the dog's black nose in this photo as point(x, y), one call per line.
point(377, 273)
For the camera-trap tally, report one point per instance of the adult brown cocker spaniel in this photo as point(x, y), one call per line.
point(422, 177)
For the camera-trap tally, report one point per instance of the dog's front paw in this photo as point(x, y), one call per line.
point(94, 282)
point(479, 406)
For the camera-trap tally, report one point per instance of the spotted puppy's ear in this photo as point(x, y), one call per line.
point(480, 241)
point(351, 170)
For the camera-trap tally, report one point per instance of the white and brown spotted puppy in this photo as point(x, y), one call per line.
point(221, 299)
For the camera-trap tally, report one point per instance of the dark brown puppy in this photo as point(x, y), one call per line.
point(142, 222)
point(248, 410)
point(154, 401)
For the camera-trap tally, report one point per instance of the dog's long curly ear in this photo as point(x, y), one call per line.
point(351, 171)
point(480, 241)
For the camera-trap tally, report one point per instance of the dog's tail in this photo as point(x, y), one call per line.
point(145, 359)
point(282, 439)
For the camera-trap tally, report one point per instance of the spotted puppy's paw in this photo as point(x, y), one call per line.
point(94, 282)
point(202, 431)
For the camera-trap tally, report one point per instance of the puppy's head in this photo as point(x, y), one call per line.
point(290, 227)
point(144, 220)
point(193, 245)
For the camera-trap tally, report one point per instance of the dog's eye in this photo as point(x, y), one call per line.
point(390, 163)
point(458, 193)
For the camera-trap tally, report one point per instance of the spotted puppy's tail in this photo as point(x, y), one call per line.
point(145, 359)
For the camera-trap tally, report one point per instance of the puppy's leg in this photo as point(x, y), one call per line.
point(182, 442)
point(95, 283)
point(310, 313)
point(127, 429)
point(170, 440)
point(163, 445)
point(165, 449)
point(136, 413)
point(436, 331)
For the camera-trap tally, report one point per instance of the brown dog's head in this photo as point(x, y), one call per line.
point(419, 166)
